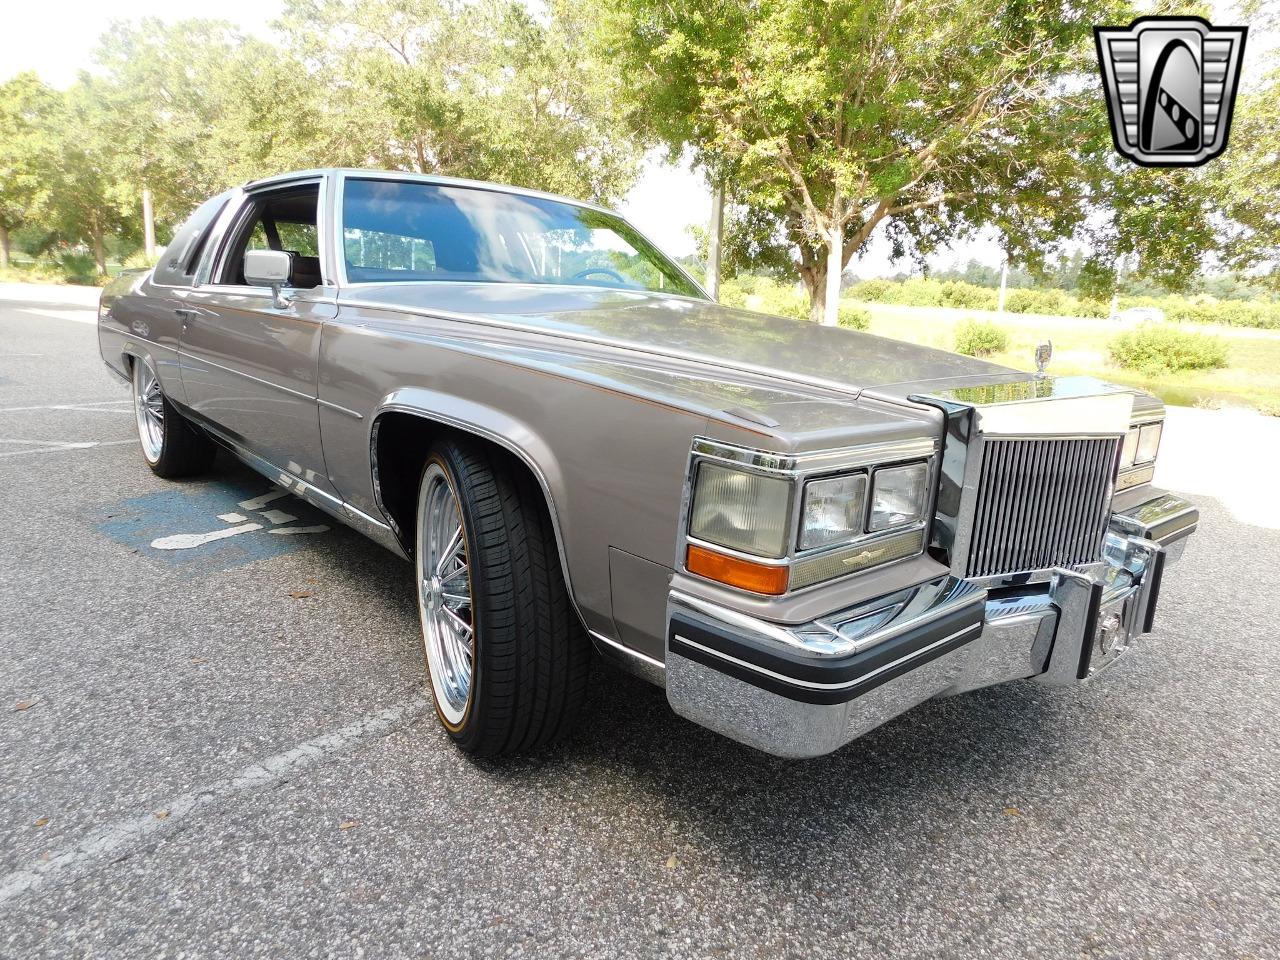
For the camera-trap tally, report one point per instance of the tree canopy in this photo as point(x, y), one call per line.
point(836, 118)
point(470, 88)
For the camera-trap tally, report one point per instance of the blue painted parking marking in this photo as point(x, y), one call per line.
point(217, 525)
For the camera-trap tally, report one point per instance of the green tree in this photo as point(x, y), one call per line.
point(27, 145)
point(198, 107)
point(86, 201)
point(1248, 187)
point(475, 88)
point(929, 121)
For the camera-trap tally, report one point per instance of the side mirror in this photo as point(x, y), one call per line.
point(269, 268)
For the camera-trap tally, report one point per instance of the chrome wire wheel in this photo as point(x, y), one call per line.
point(148, 406)
point(444, 596)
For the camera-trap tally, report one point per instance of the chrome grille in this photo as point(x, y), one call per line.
point(1041, 503)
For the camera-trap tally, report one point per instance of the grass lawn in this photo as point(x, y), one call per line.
point(1251, 379)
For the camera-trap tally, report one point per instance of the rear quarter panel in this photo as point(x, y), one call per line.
point(136, 318)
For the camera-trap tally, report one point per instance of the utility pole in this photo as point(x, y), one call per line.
point(714, 240)
point(148, 225)
point(1115, 293)
point(1004, 282)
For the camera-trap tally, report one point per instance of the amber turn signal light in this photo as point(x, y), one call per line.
point(744, 574)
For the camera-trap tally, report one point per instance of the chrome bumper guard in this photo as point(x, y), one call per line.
point(805, 690)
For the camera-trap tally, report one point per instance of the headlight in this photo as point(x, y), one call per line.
point(742, 511)
point(1129, 452)
point(1141, 445)
point(898, 495)
point(1148, 442)
point(833, 510)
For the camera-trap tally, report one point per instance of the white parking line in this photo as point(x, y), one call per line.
point(124, 837)
point(89, 406)
point(86, 445)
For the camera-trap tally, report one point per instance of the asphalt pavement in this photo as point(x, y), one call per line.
point(222, 749)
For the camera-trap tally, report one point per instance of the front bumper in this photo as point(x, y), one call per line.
point(805, 690)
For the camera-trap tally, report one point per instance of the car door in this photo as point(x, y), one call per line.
point(248, 363)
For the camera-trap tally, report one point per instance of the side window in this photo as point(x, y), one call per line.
point(277, 220)
point(177, 266)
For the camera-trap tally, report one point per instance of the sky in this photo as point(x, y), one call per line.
point(57, 41)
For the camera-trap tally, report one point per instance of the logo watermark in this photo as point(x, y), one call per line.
point(1170, 84)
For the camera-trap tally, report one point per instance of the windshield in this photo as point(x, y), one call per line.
point(404, 231)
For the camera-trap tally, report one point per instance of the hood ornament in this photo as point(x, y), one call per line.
point(1044, 353)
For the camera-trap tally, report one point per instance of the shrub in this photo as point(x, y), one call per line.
point(1027, 300)
point(853, 317)
point(875, 291)
point(978, 338)
point(1155, 349)
point(919, 292)
point(782, 302)
point(78, 268)
point(956, 293)
point(764, 295)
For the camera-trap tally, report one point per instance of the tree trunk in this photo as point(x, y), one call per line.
point(4, 246)
point(148, 225)
point(813, 274)
point(713, 241)
point(99, 250)
point(835, 265)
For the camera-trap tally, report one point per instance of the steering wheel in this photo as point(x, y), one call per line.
point(611, 274)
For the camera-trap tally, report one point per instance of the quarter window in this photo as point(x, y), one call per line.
point(177, 266)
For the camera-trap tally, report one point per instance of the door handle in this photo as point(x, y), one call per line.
point(185, 315)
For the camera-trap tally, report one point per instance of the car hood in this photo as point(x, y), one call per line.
point(687, 329)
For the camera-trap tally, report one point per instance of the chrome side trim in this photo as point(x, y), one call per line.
point(374, 529)
point(642, 665)
point(248, 376)
point(329, 404)
point(122, 377)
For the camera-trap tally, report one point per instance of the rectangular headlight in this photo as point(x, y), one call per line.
point(898, 495)
point(833, 510)
point(741, 511)
point(1129, 452)
point(1148, 442)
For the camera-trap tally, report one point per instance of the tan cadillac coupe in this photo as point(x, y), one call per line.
point(799, 531)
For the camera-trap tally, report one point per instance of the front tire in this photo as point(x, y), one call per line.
point(172, 445)
point(507, 655)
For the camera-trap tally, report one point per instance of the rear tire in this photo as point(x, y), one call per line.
point(171, 444)
point(507, 654)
